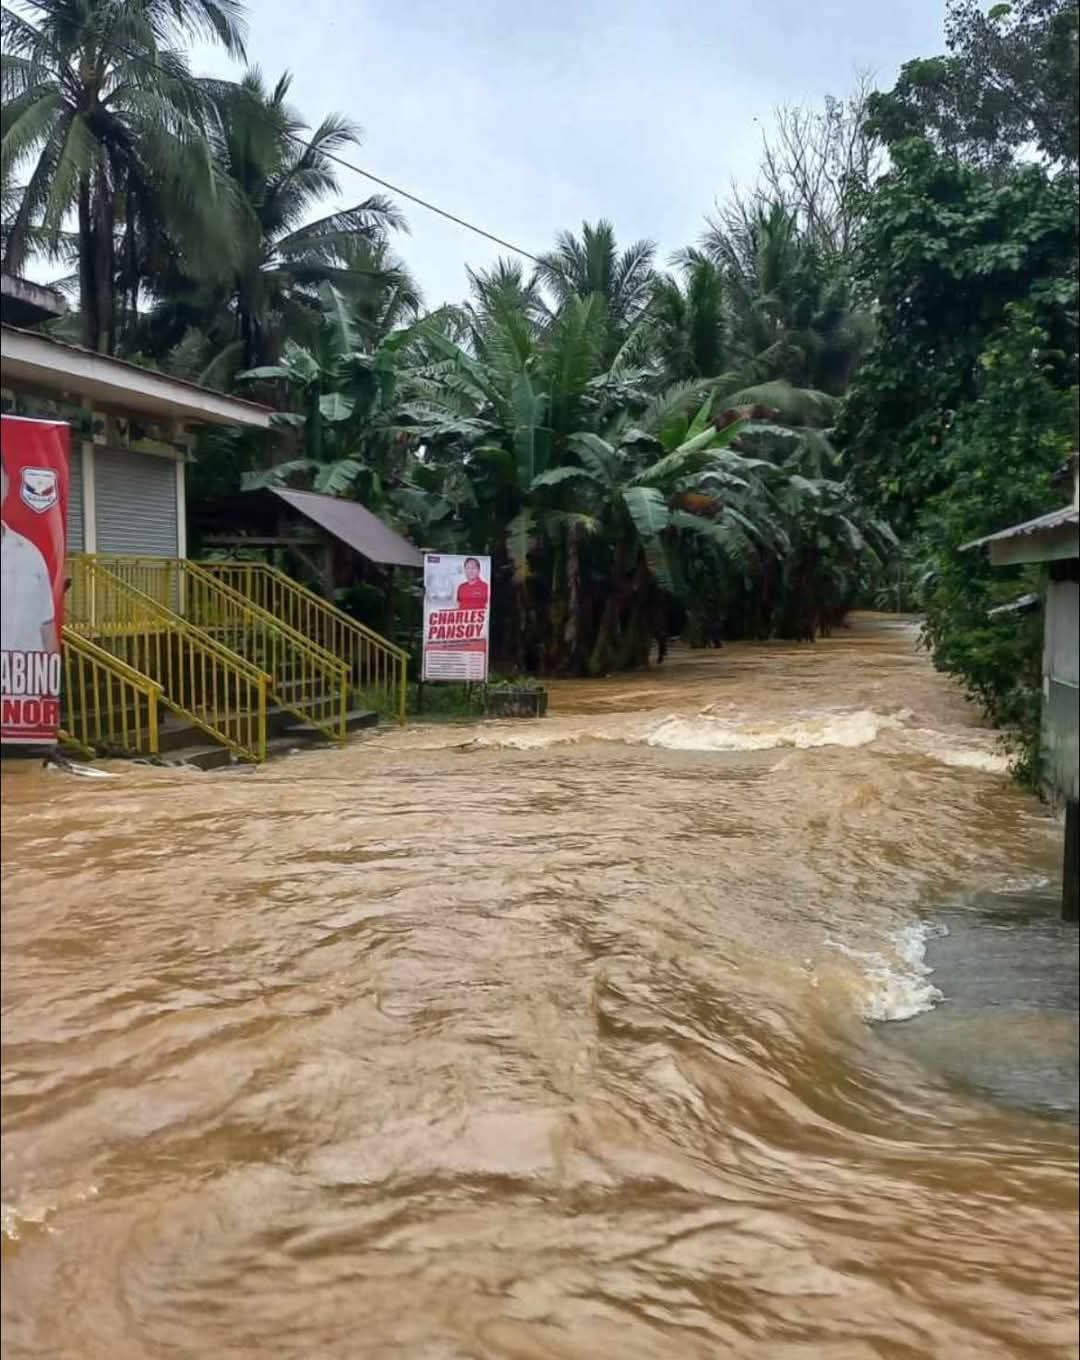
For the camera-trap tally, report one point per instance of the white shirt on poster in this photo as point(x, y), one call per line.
point(26, 595)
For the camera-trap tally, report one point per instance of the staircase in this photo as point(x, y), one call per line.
point(376, 668)
point(172, 658)
point(198, 679)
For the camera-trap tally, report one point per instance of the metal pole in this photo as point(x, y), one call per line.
point(1070, 869)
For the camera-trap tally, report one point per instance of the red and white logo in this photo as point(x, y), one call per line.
point(39, 488)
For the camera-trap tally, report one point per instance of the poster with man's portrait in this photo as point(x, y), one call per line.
point(457, 609)
point(33, 511)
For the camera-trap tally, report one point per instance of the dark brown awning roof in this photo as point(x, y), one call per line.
point(356, 527)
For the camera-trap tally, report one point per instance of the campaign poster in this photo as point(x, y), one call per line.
point(457, 611)
point(33, 511)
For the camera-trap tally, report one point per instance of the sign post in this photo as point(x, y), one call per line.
point(33, 509)
point(457, 613)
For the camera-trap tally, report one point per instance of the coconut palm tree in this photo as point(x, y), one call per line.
point(281, 249)
point(690, 319)
point(592, 265)
point(281, 171)
point(103, 115)
point(793, 308)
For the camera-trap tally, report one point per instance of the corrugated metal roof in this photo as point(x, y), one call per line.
point(355, 526)
point(1056, 519)
point(1024, 604)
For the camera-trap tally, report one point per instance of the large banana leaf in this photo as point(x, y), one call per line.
point(555, 476)
point(532, 438)
point(701, 421)
point(726, 534)
point(334, 478)
point(694, 455)
point(597, 455)
point(792, 405)
point(278, 475)
point(335, 407)
point(650, 514)
point(341, 329)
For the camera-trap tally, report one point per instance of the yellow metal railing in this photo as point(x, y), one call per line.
point(201, 679)
point(377, 668)
point(105, 704)
point(306, 679)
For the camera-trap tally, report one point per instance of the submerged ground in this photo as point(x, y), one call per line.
point(592, 1037)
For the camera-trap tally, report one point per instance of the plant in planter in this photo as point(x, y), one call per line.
point(515, 699)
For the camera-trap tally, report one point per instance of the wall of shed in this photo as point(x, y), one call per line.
point(1061, 689)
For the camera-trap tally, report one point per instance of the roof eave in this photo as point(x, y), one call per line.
point(55, 365)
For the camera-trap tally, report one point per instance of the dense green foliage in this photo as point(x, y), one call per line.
point(882, 331)
point(967, 403)
point(1010, 79)
point(1024, 416)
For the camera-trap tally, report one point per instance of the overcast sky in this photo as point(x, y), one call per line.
point(527, 116)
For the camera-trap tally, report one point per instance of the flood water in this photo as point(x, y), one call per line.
point(577, 1038)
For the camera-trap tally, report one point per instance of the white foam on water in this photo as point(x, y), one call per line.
point(900, 985)
point(15, 1219)
point(971, 749)
point(705, 733)
point(1024, 883)
point(83, 771)
point(968, 758)
point(708, 731)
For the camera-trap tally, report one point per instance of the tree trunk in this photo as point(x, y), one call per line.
point(104, 261)
point(131, 264)
point(87, 257)
point(247, 336)
point(572, 628)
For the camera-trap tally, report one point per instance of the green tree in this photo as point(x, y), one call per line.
point(346, 395)
point(998, 459)
point(102, 112)
point(277, 173)
point(690, 320)
point(947, 250)
point(793, 310)
point(1009, 79)
point(591, 265)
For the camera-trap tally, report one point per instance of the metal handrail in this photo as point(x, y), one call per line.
point(306, 679)
point(201, 679)
point(106, 705)
point(377, 667)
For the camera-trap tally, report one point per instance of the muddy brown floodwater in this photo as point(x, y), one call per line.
point(536, 1040)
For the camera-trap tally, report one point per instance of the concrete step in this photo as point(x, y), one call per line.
point(355, 720)
point(208, 757)
point(187, 745)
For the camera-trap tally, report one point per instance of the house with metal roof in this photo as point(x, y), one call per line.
point(161, 652)
point(1054, 539)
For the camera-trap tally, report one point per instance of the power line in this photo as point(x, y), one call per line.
point(423, 203)
point(332, 156)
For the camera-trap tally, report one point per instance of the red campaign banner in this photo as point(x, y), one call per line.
point(457, 606)
point(34, 514)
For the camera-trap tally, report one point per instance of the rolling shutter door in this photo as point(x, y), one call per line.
point(135, 497)
point(75, 538)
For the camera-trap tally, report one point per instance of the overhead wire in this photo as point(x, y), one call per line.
point(332, 156)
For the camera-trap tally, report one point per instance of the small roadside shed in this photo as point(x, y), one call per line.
point(1054, 539)
point(131, 434)
point(325, 534)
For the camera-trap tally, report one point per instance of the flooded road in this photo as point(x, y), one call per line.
point(537, 1040)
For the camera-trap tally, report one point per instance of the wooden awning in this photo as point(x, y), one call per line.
point(355, 526)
